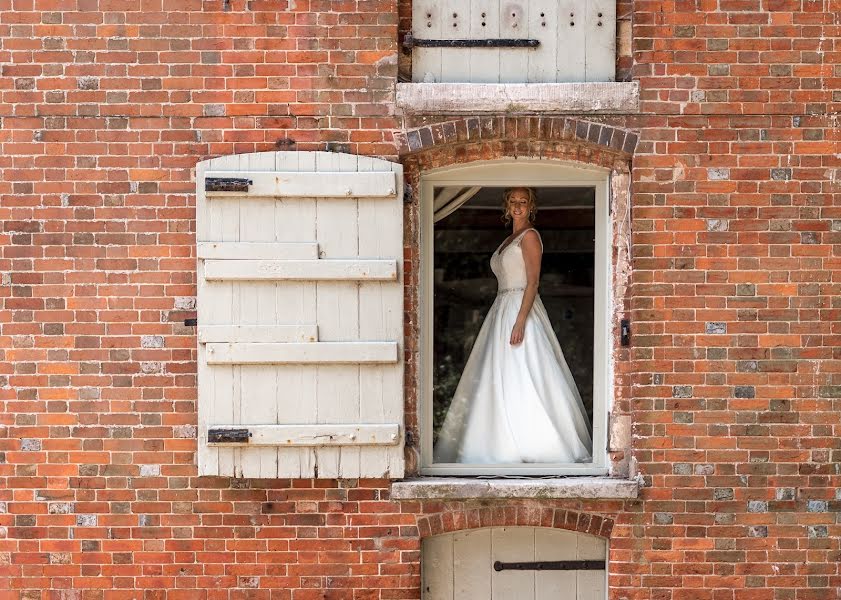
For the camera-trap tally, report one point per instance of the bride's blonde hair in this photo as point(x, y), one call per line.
point(506, 208)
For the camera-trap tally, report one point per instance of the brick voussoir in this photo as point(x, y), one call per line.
point(608, 138)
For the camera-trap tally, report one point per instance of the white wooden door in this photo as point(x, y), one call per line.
point(460, 565)
point(577, 41)
point(300, 316)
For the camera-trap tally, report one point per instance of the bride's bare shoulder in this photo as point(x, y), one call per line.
point(532, 238)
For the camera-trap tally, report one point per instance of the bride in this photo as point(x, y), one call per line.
point(516, 401)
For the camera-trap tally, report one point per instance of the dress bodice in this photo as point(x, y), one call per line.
point(509, 266)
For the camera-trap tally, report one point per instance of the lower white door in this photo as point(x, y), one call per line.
point(460, 565)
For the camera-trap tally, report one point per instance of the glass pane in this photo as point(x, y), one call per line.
point(530, 402)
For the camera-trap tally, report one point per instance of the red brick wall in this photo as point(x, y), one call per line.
point(736, 384)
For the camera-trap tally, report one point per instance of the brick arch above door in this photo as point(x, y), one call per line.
point(595, 143)
point(455, 518)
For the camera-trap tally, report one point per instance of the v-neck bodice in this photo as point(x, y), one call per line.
point(510, 267)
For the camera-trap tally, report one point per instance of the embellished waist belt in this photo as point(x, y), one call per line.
point(510, 290)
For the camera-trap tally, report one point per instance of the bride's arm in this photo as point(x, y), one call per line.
point(532, 254)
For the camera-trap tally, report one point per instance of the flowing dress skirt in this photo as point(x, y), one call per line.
point(515, 404)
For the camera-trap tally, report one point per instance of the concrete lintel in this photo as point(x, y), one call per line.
point(556, 98)
point(451, 488)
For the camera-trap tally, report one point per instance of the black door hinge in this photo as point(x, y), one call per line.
point(552, 565)
point(228, 436)
point(410, 41)
point(226, 184)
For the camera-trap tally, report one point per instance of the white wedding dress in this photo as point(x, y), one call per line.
point(514, 404)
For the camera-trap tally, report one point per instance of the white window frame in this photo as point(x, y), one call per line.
point(540, 174)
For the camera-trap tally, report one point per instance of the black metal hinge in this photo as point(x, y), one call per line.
point(410, 41)
point(552, 565)
point(226, 184)
point(228, 436)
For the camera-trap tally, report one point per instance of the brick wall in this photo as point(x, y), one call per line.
point(735, 385)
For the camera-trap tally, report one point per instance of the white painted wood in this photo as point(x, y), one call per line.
point(427, 23)
point(483, 63)
point(337, 310)
point(513, 24)
point(386, 434)
point(573, 46)
point(472, 564)
point(296, 384)
point(322, 184)
point(257, 305)
point(455, 25)
point(381, 318)
point(303, 270)
point(571, 34)
point(459, 565)
point(260, 359)
point(543, 26)
point(512, 544)
point(600, 53)
point(591, 585)
point(553, 544)
point(308, 352)
point(256, 250)
point(257, 333)
point(437, 568)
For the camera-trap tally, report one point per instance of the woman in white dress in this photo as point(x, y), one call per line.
point(516, 401)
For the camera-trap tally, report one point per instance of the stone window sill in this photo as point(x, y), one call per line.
point(453, 488)
point(555, 98)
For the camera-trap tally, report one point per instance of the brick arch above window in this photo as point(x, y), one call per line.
point(523, 134)
point(513, 515)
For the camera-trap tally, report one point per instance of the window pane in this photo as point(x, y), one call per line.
point(528, 403)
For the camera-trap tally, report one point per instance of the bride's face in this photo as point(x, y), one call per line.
point(519, 204)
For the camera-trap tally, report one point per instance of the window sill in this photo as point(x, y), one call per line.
point(556, 98)
point(451, 488)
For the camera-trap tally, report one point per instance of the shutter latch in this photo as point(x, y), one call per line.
point(226, 184)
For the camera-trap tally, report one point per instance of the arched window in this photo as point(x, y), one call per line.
point(461, 230)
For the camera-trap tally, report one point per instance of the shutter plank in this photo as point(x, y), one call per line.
point(472, 563)
point(542, 61)
point(257, 305)
point(295, 393)
point(483, 63)
point(307, 353)
point(600, 53)
point(437, 568)
point(512, 544)
point(572, 31)
point(258, 251)
point(591, 584)
point(381, 318)
point(426, 62)
point(302, 270)
point(555, 544)
point(318, 435)
point(323, 184)
point(258, 333)
point(513, 24)
point(338, 392)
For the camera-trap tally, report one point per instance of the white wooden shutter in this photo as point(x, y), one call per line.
point(577, 41)
point(300, 316)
